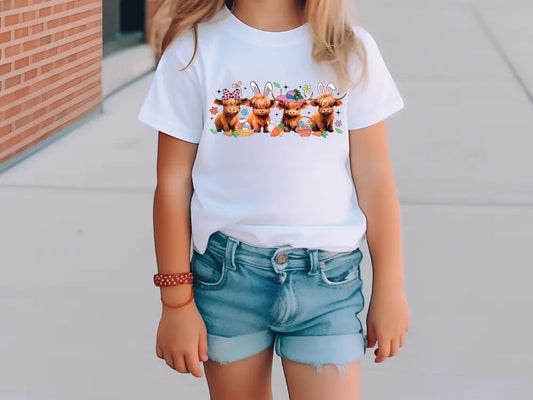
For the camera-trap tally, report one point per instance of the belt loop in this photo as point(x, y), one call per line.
point(313, 255)
point(229, 256)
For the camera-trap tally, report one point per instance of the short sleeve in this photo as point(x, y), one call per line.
point(173, 102)
point(372, 101)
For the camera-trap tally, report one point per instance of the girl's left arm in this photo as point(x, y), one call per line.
point(388, 314)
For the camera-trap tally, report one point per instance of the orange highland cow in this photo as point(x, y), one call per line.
point(292, 104)
point(261, 104)
point(323, 119)
point(231, 106)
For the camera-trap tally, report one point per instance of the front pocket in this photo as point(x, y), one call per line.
point(342, 271)
point(208, 271)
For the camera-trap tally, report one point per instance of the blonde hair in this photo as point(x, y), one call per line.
point(331, 22)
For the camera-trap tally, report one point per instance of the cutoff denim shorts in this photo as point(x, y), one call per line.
point(303, 301)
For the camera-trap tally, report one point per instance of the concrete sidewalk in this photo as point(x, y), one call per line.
point(78, 309)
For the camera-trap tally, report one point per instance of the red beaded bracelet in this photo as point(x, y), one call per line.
point(173, 279)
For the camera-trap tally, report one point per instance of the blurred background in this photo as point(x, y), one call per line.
point(78, 309)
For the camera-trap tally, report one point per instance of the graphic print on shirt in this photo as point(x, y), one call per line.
point(237, 115)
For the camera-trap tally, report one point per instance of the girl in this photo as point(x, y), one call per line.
point(273, 165)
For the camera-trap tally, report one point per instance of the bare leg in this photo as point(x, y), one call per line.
point(305, 383)
point(249, 378)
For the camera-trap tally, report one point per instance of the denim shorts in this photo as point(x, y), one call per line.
point(304, 301)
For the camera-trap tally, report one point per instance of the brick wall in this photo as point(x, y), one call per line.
point(50, 68)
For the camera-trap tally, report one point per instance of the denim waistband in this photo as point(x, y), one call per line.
point(230, 249)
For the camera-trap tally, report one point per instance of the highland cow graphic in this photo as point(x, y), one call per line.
point(238, 121)
point(261, 104)
point(292, 104)
point(231, 106)
point(322, 119)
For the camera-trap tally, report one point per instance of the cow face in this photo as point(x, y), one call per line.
point(261, 105)
point(231, 106)
point(291, 109)
point(325, 103)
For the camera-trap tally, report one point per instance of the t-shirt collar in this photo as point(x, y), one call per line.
point(261, 37)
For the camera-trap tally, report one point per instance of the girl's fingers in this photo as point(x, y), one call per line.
point(179, 363)
point(371, 337)
point(202, 346)
point(383, 350)
point(159, 352)
point(402, 338)
point(193, 364)
point(169, 359)
point(395, 343)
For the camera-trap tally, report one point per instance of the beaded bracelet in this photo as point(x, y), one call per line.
point(173, 279)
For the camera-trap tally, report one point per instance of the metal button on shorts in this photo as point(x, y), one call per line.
point(282, 258)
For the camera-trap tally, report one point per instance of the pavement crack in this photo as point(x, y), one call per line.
point(501, 51)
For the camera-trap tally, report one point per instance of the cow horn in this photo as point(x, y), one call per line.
point(272, 93)
point(342, 97)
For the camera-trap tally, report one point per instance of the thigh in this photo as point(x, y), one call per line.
point(305, 383)
point(248, 378)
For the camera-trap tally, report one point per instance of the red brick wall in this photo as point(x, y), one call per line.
point(50, 68)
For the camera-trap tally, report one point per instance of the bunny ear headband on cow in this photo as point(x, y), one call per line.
point(331, 87)
point(255, 88)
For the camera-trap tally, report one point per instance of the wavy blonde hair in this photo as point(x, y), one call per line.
point(331, 22)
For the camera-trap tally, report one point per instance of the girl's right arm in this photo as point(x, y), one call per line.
point(182, 336)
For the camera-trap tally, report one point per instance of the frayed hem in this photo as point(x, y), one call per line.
point(221, 362)
point(340, 367)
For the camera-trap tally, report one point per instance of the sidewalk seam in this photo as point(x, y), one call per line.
point(499, 48)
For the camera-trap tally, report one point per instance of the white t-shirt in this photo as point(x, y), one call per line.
point(276, 177)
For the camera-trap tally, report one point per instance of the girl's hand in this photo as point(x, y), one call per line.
point(182, 339)
point(387, 323)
